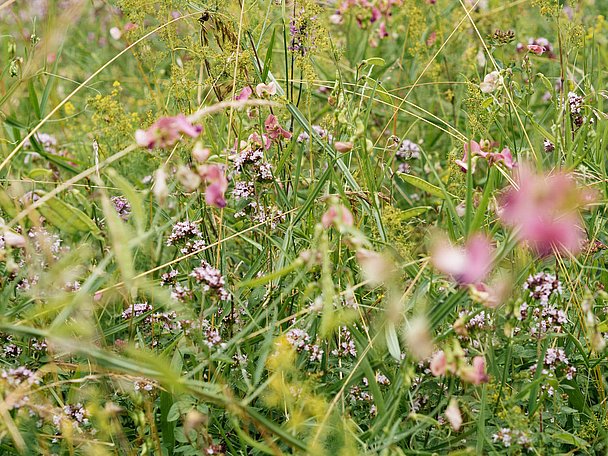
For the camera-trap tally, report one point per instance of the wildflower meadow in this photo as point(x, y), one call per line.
point(313, 227)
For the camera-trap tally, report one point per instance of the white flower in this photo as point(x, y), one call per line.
point(491, 82)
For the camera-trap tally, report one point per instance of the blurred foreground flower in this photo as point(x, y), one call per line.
point(337, 215)
point(217, 184)
point(166, 131)
point(467, 265)
point(545, 210)
point(453, 415)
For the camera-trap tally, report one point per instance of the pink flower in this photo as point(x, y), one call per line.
point(275, 130)
point(505, 157)
point(382, 32)
point(342, 146)
point(245, 94)
point(545, 210)
point(536, 49)
point(475, 374)
point(166, 131)
point(474, 148)
point(439, 363)
point(337, 215)
point(217, 184)
point(453, 415)
point(468, 265)
point(270, 89)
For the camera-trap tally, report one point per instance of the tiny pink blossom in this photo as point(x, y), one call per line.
point(439, 363)
point(475, 374)
point(274, 129)
point(166, 131)
point(467, 265)
point(536, 49)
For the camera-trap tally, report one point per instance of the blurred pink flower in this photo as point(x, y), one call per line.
point(166, 131)
point(453, 415)
point(337, 215)
point(217, 184)
point(274, 129)
point(475, 374)
point(439, 363)
point(545, 210)
point(261, 89)
point(467, 265)
point(245, 94)
point(536, 49)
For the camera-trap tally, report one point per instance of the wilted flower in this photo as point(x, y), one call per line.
point(491, 82)
point(166, 131)
point(418, 338)
point(467, 265)
point(544, 209)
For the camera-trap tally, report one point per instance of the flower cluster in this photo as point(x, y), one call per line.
point(542, 286)
point(575, 103)
point(509, 437)
point(346, 345)
point(122, 206)
point(166, 131)
point(211, 279)
point(187, 236)
point(300, 340)
point(406, 150)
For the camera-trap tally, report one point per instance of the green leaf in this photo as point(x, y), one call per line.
point(392, 341)
point(425, 186)
point(68, 218)
point(570, 439)
point(414, 212)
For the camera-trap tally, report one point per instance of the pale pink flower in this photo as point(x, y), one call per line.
point(536, 49)
point(337, 215)
point(545, 210)
point(342, 146)
point(475, 374)
point(200, 153)
point(166, 131)
point(270, 89)
point(453, 415)
point(491, 82)
point(439, 363)
point(274, 129)
point(467, 265)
